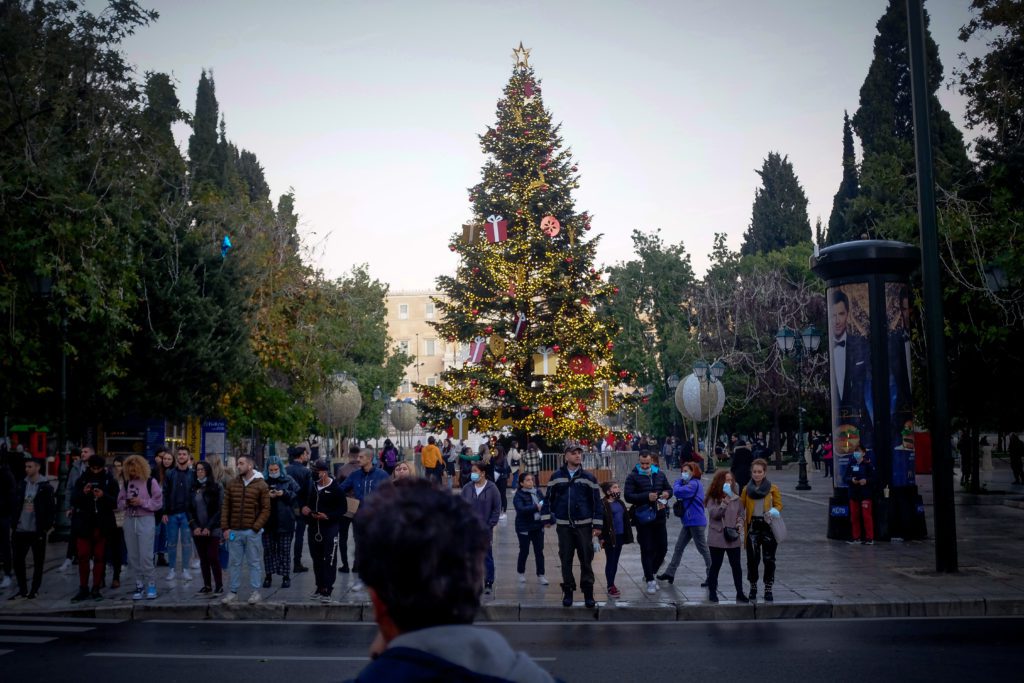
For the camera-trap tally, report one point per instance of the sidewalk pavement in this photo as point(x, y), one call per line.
point(816, 577)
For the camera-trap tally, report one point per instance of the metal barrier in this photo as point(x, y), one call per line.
point(606, 465)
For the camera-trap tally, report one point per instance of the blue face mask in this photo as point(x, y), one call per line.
point(858, 456)
point(475, 476)
point(687, 476)
point(730, 490)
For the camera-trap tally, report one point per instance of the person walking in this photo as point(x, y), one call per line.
point(140, 498)
point(204, 519)
point(451, 457)
point(739, 465)
point(531, 461)
point(1016, 449)
point(94, 499)
point(502, 470)
point(860, 481)
point(246, 511)
point(388, 457)
point(574, 499)
point(178, 484)
point(616, 532)
point(482, 495)
point(760, 498)
point(324, 511)
point(532, 516)
point(827, 455)
point(346, 520)
point(648, 491)
point(513, 462)
point(690, 492)
point(298, 470)
point(280, 527)
point(432, 461)
point(724, 524)
point(35, 510)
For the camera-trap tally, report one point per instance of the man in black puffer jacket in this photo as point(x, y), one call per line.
point(574, 498)
point(298, 469)
point(647, 490)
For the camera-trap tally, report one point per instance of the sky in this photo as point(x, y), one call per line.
point(370, 111)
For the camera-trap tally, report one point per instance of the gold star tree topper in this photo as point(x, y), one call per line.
point(521, 55)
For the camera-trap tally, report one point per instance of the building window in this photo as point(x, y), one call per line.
point(403, 346)
point(430, 347)
point(403, 311)
point(428, 311)
point(432, 381)
point(405, 387)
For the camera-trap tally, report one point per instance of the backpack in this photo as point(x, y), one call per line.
point(391, 457)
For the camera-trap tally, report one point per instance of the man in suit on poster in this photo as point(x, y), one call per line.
point(899, 371)
point(851, 366)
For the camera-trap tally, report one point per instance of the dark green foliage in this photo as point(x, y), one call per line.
point(779, 217)
point(205, 158)
point(839, 228)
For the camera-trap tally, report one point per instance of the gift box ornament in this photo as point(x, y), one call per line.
point(496, 229)
point(472, 233)
point(545, 361)
point(476, 350)
point(519, 326)
point(581, 365)
point(460, 425)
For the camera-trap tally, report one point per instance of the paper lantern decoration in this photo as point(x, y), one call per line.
point(550, 226)
point(497, 229)
point(545, 361)
point(496, 344)
point(699, 400)
point(472, 233)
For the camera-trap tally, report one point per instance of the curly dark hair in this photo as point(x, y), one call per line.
point(422, 551)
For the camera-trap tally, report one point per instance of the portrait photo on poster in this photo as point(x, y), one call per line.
point(849, 323)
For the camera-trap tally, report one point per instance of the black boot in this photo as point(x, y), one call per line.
point(588, 597)
point(286, 582)
point(712, 594)
point(752, 596)
point(267, 580)
point(161, 560)
point(567, 595)
point(768, 597)
point(298, 568)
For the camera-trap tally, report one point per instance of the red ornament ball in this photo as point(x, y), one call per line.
point(472, 382)
point(423, 424)
point(615, 290)
point(476, 311)
point(556, 348)
point(611, 345)
point(504, 359)
point(508, 175)
point(488, 329)
point(568, 259)
point(476, 270)
point(476, 413)
point(452, 247)
point(574, 169)
point(501, 392)
point(624, 373)
point(646, 400)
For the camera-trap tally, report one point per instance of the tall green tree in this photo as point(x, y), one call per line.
point(839, 228)
point(205, 164)
point(779, 216)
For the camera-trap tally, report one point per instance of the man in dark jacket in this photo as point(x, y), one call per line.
point(425, 628)
point(35, 508)
point(742, 459)
point(298, 470)
point(178, 483)
point(8, 487)
point(342, 474)
point(647, 488)
point(574, 498)
point(324, 509)
point(93, 499)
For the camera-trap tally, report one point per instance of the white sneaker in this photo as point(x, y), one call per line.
point(357, 585)
point(171, 575)
point(229, 598)
point(195, 564)
point(542, 580)
point(502, 516)
point(652, 587)
point(66, 565)
point(255, 597)
point(6, 583)
point(522, 578)
point(186, 575)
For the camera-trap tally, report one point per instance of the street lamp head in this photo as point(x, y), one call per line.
point(786, 339)
point(673, 381)
point(717, 370)
point(700, 368)
point(811, 338)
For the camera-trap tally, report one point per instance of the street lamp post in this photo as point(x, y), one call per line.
point(801, 346)
point(673, 383)
point(710, 374)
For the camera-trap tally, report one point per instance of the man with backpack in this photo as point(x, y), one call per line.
point(388, 457)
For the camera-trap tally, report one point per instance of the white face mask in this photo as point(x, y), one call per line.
point(275, 475)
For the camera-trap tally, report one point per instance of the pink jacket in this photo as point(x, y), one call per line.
point(151, 502)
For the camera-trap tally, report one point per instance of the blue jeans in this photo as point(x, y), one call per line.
point(177, 527)
point(247, 544)
point(489, 559)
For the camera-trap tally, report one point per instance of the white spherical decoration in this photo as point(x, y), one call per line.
point(404, 416)
point(698, 400)
point(340, 407)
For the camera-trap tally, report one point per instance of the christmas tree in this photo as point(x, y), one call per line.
point(525, 292)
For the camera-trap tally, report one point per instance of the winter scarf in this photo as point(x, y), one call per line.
point(756, 492)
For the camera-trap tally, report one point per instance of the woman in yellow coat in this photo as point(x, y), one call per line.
point(760, 498)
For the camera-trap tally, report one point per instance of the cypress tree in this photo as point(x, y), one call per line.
point(202, 145)
point(839, 228)
point(779, 216)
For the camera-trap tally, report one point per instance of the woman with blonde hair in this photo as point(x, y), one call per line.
point(140, 498)
point(401, 471)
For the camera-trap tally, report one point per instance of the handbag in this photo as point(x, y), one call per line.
point(644, 514)
point(777, 524)
point(732, 534)
point(352, 506)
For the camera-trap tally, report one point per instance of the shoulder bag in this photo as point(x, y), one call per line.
point(778, 524)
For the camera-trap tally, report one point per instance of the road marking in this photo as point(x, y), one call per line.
point(62, 620)
point(248, 658)
point(51, 629)
point(807, 500)
point(25, 640)
point(258, 622)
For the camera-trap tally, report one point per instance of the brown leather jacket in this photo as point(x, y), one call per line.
point(246, 507)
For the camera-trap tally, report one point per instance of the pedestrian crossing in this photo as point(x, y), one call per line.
point(24, 632)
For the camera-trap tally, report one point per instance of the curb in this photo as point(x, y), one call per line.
point(535, 612)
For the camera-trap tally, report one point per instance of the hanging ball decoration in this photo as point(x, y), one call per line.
point(568, 259)
point(341, 406)
point(404, 416)
point(699, 400)
point(476, 412)
point(472, 382)
point(624, 374)
point(452, 247)
point(476, 270)
point(574, 169)
point(488, 329)
point(615, 290)
point(501, 392)
point(550, 226)
point(611, 345)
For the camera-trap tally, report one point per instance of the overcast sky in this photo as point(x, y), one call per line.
point(371, 110)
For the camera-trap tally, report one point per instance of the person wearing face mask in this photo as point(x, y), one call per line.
point(760, 498)
point(723, 509)
point(324, 509)
point(648, 487)
point(860, 478)
point(615, 533)
point(531, 516)
point(280, 529)
point(483, 496)
point(204, 520)
point(690, 491)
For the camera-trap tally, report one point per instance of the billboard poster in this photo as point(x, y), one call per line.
point(901, 401)
point(214, 439)
point(849, 322)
